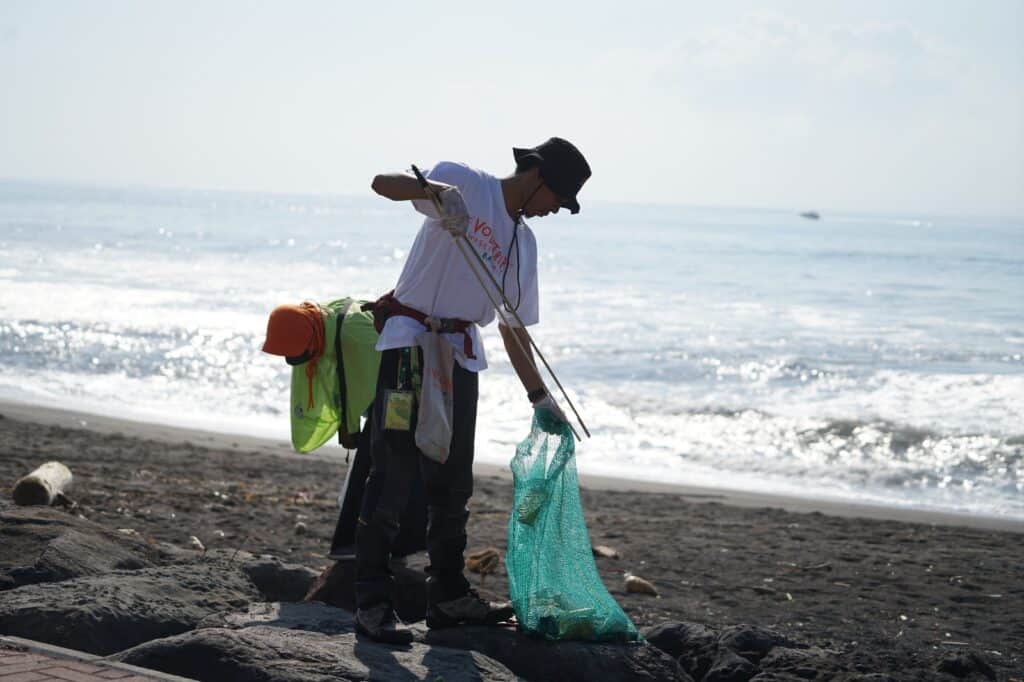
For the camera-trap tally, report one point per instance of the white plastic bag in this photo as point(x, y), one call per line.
point(434, 425)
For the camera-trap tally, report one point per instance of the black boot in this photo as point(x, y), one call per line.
point(381, 624)
point(467, 608)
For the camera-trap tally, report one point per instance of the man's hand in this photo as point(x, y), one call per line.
point(454, 214)
point(549, 415)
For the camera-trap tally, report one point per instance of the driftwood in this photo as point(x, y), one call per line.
point(483, 561)
point(44, 486)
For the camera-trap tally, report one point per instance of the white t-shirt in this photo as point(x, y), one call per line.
point(437, 280)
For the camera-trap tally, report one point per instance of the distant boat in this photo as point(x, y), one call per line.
point(810, 215)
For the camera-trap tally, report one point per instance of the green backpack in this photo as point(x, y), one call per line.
point(341, 390)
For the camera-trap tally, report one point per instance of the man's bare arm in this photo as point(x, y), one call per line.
point(521, 357)
point(401, 187)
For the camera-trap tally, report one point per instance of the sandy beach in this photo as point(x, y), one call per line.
point(877, 584)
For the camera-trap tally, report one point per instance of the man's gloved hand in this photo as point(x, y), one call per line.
point(549, 415)
point(454, 214)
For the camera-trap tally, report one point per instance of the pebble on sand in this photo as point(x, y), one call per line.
point(639, 585)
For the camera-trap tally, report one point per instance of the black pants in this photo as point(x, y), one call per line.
point(396, 463)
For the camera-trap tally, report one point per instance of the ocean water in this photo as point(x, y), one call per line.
point(859, 357)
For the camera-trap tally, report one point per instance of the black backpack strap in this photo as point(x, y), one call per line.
point(342, 389)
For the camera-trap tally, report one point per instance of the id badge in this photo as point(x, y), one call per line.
point(398, 405)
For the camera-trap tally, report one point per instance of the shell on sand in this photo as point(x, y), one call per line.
point(605, 551)
point(637, 584)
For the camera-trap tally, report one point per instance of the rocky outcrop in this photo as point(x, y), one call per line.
point(537, 659)
point(736, 654)
point(729, 667)
point(265, 653)
point(964, 665)
point(692, 644)
point(308, 616)
point(42, 545)
point(752, 642)
point(336, 586)
point(103, 614)
point(276, 581)
point(527, 657)
point(750, 653)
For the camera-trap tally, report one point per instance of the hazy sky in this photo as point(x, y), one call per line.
point(910, 106)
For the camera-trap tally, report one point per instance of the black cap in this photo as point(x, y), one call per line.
point(562, 167)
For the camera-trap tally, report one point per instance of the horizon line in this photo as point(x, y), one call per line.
point(824, 212)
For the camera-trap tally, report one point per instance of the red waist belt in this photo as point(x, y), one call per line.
point(387, 305)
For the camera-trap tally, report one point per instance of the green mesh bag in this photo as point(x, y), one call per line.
point(553, 581)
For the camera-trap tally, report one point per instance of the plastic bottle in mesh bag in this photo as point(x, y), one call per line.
point(555, 588)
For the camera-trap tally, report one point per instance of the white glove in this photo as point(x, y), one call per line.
point(454, 214)
point(550, 414)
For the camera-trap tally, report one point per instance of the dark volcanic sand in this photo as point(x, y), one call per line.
point(889, 594)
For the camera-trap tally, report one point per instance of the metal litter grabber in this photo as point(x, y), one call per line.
point(502, 308)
